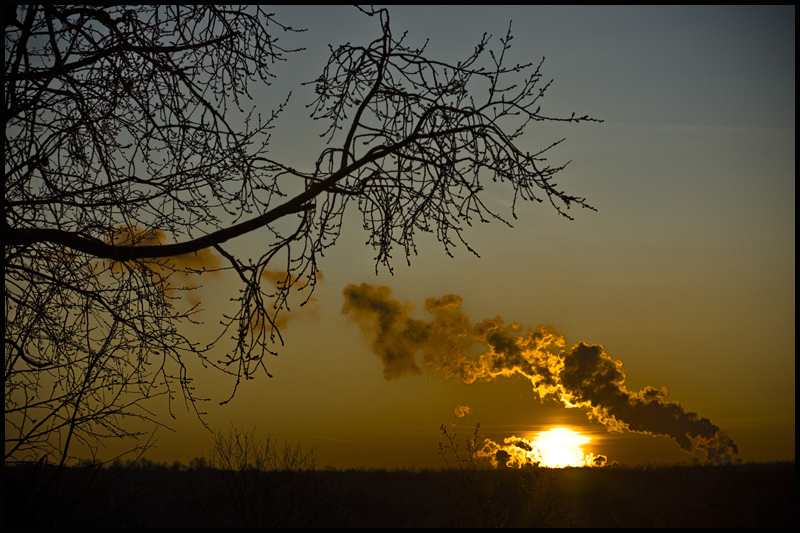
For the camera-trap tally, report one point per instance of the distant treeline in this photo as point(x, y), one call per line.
point(149, 494)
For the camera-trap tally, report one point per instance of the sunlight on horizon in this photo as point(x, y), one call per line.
point(561, 447)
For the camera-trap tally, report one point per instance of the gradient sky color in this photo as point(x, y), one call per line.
point(685, 272)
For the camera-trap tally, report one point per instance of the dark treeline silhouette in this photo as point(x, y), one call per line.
point(151, 494)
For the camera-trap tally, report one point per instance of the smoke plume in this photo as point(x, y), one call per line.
point(516, 452)
point(183, 273)
point(179, 272)
point(281, 280)
point(582, 376)
point(460, 411)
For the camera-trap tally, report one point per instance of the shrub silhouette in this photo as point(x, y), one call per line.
point(252, 482)
point(474, 499)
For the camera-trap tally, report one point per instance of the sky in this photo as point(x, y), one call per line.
point(685, 273)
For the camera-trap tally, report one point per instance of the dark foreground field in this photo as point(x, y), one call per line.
point(750, 495)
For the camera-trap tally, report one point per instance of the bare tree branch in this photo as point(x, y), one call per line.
point(133, 153)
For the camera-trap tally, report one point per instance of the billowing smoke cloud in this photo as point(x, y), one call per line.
point(516, 452)
point(460, 411)
point(132, 235)
point(596, 460)
point(582, 376)
point(182, 272)
point(176, 272)
point(396, 337)
point(281, 280)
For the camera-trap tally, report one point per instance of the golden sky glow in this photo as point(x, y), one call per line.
point(679, 289)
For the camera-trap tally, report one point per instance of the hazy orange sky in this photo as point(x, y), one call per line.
point(685, 273)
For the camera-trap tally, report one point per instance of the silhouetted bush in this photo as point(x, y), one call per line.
point(254, 482)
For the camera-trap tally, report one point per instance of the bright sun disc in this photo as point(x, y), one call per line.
point(561, 447)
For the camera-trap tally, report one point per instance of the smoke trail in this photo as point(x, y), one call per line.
point(132, 235)
point(460, 411)
point(171, 273)
point(308, 309)
point(516, 452)
point(583, 376)
point(182, 272)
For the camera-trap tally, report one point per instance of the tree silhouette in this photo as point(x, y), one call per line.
point(132, 157)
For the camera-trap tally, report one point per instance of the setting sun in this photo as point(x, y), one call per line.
point(561, 447)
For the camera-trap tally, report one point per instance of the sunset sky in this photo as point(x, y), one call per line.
point(685, 272)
